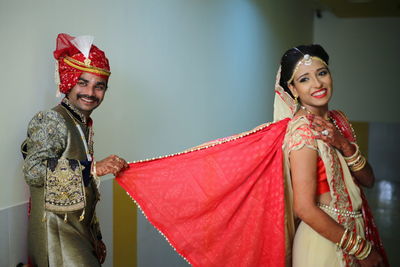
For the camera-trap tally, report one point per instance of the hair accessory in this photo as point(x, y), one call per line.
point(306, 60)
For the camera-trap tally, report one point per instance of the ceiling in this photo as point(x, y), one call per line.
point(360, 8)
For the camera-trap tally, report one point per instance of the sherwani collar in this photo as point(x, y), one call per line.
point(74, 111)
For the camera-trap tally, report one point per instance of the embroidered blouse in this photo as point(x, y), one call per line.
point(303, 136)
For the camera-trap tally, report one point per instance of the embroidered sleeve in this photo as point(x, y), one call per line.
point(47, 138)
point(301, 135)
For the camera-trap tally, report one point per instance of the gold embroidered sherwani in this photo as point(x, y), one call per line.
point(63, 226)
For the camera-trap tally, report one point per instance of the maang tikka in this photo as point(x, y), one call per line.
point(306, 60)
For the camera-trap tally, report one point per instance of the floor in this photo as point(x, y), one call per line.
point(384, 200)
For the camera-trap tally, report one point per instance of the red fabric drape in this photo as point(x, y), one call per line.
point(218, 206)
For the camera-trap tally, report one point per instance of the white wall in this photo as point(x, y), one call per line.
point(183, 72)
point(365, 56)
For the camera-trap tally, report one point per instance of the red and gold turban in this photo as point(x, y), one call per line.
point(75, 55)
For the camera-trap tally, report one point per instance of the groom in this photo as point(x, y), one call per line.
point(59, 167)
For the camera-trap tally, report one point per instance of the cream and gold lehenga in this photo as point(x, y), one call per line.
point(345, 195)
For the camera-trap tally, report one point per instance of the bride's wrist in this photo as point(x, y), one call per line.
point(348, 149)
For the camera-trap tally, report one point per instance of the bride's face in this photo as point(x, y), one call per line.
point(313, 85)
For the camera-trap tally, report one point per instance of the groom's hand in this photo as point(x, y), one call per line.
point(111, 165)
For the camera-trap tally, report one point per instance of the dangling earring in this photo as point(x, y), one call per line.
point(296, 100)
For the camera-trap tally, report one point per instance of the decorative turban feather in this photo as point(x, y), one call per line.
point(76, 55)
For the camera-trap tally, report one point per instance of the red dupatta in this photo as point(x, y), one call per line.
point(219, 205)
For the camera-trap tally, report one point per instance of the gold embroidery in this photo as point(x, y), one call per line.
point(340, 196)
point(64, 189)
point(299, 134)
point(82, 117)
point(81, 66)
point(41, 144)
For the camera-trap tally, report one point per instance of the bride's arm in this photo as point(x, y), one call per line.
point(303, 166)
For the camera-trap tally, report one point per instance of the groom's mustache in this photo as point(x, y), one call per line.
point(90, 97)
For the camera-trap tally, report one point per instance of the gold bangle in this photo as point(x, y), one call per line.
point(361, 248)
point(360, 165)
point(94, 171)
point(356, 246)
point(355, 155)
point(94, 174)
point(344, 238)
point(354, 162)
point(350, 243)
point(365, 253)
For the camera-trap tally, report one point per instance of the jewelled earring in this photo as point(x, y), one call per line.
point(296, 100)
